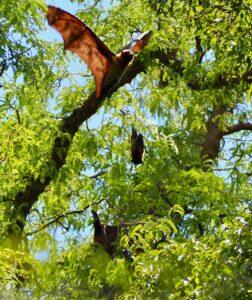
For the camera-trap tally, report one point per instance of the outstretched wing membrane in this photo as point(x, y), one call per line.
point(81, 40)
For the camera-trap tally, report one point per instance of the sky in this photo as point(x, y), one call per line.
point(73, 7)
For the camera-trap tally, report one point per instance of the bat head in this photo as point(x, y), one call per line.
point(145, 37)
point(126, 56)
point(134, 134)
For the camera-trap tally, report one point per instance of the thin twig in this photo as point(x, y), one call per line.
point(61, 216)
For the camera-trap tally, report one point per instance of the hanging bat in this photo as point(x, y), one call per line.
point(105, 235)
point(137, 147)
point(106, 67)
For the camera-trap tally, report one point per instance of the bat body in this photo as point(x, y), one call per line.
point(105, 66)
point(105, 235)
point(137, 147)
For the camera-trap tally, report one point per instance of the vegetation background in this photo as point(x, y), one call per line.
point(187, 208)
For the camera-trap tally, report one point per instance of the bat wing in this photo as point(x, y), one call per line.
point(137, 147)
point(138, 44)
point(112, 233)
point(80, 39)
point(99, 234)
point(141, 147)
point(133, 141)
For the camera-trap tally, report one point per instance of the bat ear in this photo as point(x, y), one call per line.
point(124, 57)
point(138, 44)
point(127, 55)
point(133, 132)
point(145, 37)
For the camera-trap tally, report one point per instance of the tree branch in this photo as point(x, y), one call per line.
point(200, 52)
point(56, 220)
point(211, 145)
point(95, 176)
point(237, 127)
point(3, 68)
point(195, 82)
point(61, 216)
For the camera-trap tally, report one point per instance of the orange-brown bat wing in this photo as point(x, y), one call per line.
point(80, 39)
point(138, 44)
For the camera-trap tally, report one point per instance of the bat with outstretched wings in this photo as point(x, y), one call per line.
point(79, 38)
point(137, 147)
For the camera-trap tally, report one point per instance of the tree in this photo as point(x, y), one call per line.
point(185, 213)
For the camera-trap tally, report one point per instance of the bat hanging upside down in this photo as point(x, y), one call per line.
point(106, 67)
point(105, 235)
point(137, 147)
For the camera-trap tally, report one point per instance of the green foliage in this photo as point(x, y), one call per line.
point(187, 227)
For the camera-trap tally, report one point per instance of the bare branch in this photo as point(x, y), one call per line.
point(63, 226)
point(3, 67)
point(200, 52)
point(56, 220)
point(62, 216)
point(18, 116)
point(237, 127)
point(95, 176)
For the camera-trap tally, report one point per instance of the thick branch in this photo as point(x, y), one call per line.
point(237, 127)
point(200, 52)
point(22, 205)
point(211, 145)
point(229, 79)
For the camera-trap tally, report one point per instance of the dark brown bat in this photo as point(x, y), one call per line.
point(137, 147)
point(105, 235)
point(105, 66)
